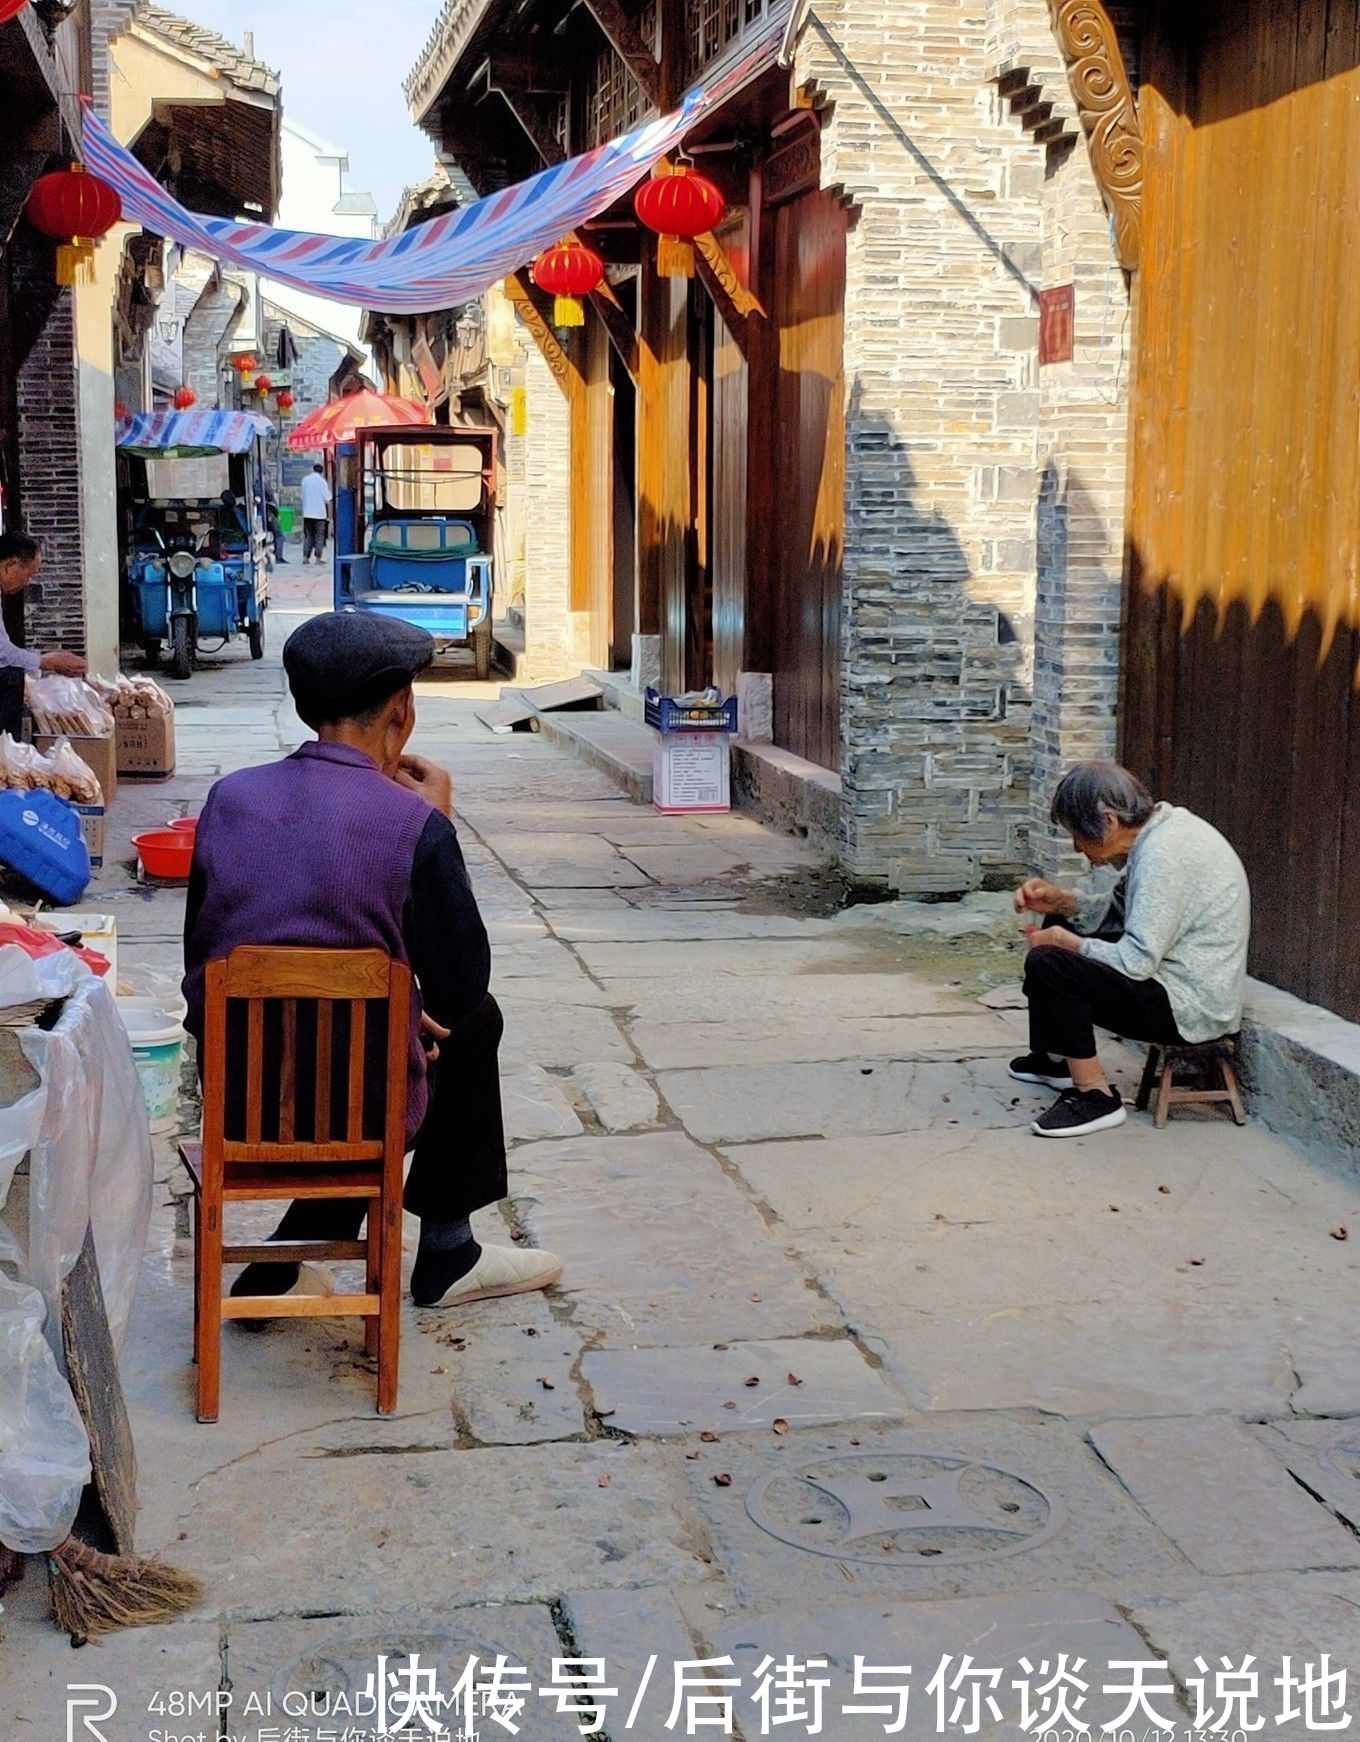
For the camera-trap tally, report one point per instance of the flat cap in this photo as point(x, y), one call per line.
point(347, 661)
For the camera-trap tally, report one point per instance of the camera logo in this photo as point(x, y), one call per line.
point(93, 1705)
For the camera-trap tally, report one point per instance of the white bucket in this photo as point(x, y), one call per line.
point(158, 1049)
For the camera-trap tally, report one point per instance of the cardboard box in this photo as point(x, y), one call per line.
point(146, 748)
point(692, 771)
point(99, 755)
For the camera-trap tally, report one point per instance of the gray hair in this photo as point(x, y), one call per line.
point(1092, 792)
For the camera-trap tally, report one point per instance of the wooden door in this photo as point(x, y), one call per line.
point(802, 492)
point(1241, 650)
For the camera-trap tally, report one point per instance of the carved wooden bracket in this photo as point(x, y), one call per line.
point(564, 371)
point(1109, 114)
point(735, 303)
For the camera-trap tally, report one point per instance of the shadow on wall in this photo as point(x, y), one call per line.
point(1254, 723)
point(1076, 654)
point(937, 704)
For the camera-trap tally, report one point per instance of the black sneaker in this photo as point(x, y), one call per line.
point(1038, 1067)
point(1078, 1112)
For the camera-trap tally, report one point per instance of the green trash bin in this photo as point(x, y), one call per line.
point(287, 520)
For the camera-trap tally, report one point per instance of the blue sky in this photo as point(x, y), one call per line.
point(343, 63)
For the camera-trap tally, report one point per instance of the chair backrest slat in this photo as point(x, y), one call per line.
point(263, 978)
point(254, 1071)
point(288, 1073)
point(357, 1036)
point(325, 1043)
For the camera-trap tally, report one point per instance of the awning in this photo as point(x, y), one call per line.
point(453, 258)
point(189, 435)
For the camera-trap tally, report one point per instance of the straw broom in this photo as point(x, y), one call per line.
point(94, 1593)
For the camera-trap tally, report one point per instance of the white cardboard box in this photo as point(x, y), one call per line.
point(692, 771)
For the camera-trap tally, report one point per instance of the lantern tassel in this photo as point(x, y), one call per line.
point(569, 311)
point(75, 262)
point(675, 257)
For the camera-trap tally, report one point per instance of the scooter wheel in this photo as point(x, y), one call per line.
point(255, 635)
point(181, 649)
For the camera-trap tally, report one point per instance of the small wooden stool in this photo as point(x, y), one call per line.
point(1165, 1062)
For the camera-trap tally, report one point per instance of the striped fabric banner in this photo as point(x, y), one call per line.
point(437, 265)
point(218, 432)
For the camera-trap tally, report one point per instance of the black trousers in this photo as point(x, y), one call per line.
point(314, 538)
point(12, 700)
point(459, 1161)
point(1071, 996)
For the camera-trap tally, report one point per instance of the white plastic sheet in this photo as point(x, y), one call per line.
point(86, 1133)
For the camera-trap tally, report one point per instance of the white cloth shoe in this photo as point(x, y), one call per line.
point(503, 1270)
point(313, 1279)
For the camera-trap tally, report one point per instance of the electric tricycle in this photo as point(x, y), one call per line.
point(415, 525)
point(196, 554)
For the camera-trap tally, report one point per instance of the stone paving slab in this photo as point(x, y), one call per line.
point(622, 1098)
point(38, 1669)
point(965, 1508)
point(371, 1520)
point(740, 1103)
point(641, 1635)
point(511, 1388)
point(660, 1246)
point(853, 952)
point(997, 1632)
point(1222, 1499)
point(1324, 1456)
point(1302, 1620)
point(690, 1045)
point(671, 1392)
point(571, 861)
point(1108, 1357)
point(800, 1002)
point(535, 1106)
point(649, 925)
point(323, 1668)
point(557, 1035)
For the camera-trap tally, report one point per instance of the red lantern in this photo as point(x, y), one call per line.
point(679, 205)
point(569, 271)
point(245, 363)
point(11, 9)
point(263, 385)
point(120, 411)
point(184, 398)
point(74, 209)
point(286, 400)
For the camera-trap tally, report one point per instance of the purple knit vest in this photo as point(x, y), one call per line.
point(315, 850)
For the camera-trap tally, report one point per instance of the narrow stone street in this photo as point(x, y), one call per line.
point(844, 1361)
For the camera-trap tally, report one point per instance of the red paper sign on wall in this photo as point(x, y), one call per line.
point(1057, 324)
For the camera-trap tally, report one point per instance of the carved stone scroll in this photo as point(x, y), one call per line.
point(1109, 114)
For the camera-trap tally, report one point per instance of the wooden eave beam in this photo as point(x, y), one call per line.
point(526, 112)
point(622, 35)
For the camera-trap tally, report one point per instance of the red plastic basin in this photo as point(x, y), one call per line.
point(183, 825)
point(166, 853)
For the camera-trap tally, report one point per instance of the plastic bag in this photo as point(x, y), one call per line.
point(133, 699)
point(22, 768)
point(85, 1130)
point(44, 1449)
point(68, 707)
point(71, 778)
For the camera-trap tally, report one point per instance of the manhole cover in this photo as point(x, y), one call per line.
point(334, 1681)
point(903, 1509)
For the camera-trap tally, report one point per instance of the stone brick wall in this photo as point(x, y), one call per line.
point(50, 475)
point(954, 439)
point(319, 356)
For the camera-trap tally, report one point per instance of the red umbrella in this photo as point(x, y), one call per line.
point(336, 421)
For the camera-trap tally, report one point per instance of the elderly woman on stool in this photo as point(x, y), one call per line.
point(1163, 958)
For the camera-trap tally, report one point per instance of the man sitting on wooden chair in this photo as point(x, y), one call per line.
point(1162, 959)
point(348, 844)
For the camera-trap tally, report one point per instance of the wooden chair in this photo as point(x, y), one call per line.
point(270, 1163)
point(1213, 1058)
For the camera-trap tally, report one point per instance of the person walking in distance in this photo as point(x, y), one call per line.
point(316, 512)
point(21, 558)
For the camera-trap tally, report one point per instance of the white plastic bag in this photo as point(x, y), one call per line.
point(44, 1449)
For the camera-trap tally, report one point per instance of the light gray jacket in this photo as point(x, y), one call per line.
point(1187, 922)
